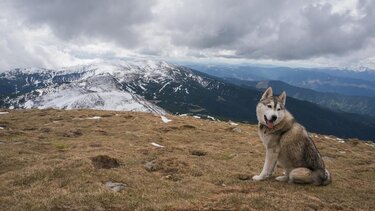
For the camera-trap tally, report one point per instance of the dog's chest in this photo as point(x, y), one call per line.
point(267, 138)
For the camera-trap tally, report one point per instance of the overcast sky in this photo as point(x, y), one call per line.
point(55, 33)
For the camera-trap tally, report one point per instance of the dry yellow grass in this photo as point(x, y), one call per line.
point(46, 164)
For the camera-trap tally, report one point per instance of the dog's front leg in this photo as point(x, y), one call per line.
point(269, 164)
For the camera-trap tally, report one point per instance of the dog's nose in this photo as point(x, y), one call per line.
point(274, 117)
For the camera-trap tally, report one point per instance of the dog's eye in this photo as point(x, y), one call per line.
point(269, 106)
point(279, 109)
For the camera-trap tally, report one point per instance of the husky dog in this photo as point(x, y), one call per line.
point(287, 144)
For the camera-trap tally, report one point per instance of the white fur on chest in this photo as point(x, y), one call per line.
point(264, 137)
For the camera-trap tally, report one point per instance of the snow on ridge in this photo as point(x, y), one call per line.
point(123, 71)
point(126, 70)
point(30, 70)
point(106, 66)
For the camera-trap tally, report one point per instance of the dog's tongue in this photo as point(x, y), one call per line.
point(270, 124)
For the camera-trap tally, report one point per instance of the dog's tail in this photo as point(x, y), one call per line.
point(307, 176)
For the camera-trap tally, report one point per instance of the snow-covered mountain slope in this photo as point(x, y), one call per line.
point(107, 86)
point(110, 85)
point(100, 92)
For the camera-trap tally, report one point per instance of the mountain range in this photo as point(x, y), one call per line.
point(336, 102)
point(160, 87)
point(322, 80)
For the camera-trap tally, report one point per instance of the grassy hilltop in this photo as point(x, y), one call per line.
point(48, 160)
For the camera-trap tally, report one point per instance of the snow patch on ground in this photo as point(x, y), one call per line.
point(165, 119)
point(326, 137)
point(3, 112)
point(232, 123)
point(94, 117)
point(156, 145)
point(210, 117)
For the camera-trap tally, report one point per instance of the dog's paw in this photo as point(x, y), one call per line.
point(258, 178)
point(282, 178)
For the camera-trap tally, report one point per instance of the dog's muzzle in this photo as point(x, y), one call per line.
point(270, 122)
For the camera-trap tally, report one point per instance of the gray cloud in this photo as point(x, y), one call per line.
point(336, 30)
point(219, 23)
point(282, 30)
point(114, 20)
point(320, 32)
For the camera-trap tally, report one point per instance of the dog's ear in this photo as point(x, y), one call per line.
point(282, 97)
point(268, 93)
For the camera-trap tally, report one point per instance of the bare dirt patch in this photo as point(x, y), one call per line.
point(104, 162)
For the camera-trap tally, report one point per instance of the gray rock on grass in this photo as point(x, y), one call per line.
point(115, 186)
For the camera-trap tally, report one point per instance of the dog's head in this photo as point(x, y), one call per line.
point(271, 109)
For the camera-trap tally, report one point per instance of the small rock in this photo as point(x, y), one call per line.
point(236, 129)
point(151, 166)
point(243, 177)
point(198, 153)
point(2, 142)
point(115, 186)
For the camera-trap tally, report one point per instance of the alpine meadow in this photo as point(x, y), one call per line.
point(187, 105)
